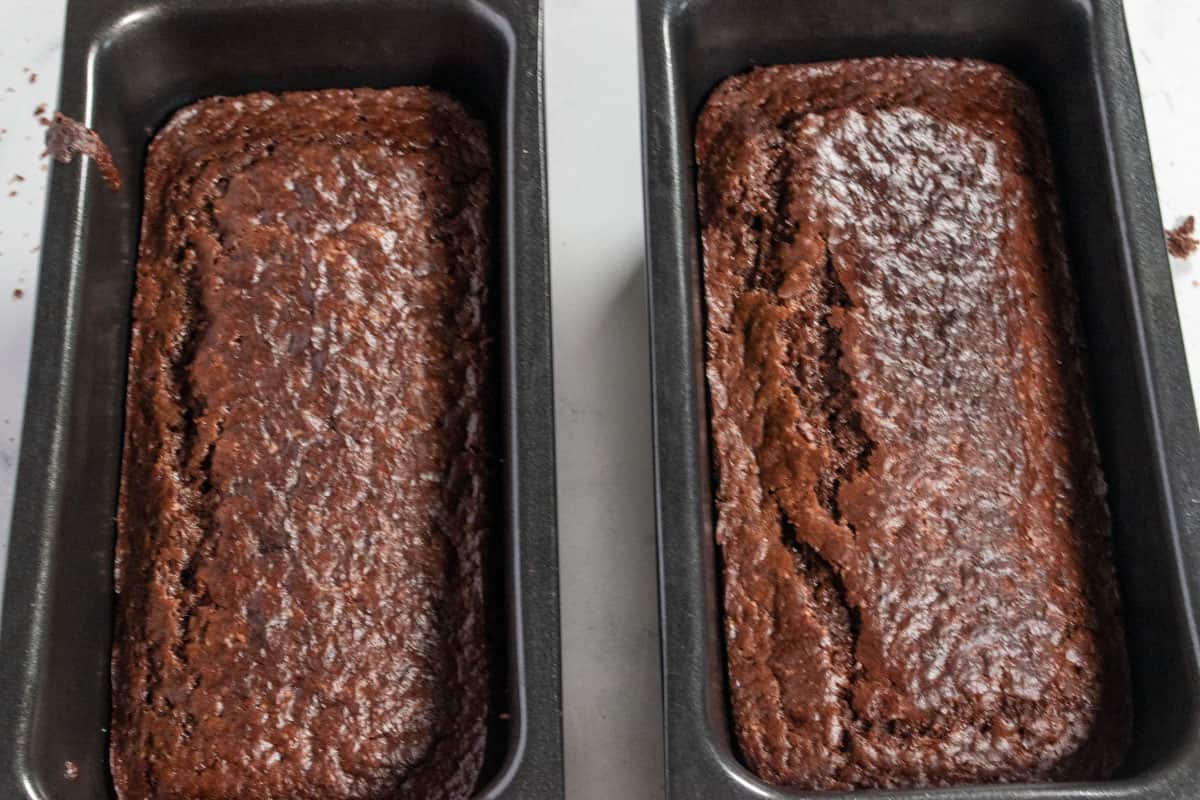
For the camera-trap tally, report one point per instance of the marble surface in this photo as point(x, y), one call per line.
point(612, 719)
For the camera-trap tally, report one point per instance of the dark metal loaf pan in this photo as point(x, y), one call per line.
point(128, 65)
point(1075, 53)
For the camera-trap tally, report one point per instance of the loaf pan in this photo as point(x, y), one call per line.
point(128, 64)
point(1076, 55)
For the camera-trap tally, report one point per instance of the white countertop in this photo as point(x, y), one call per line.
point(606, 527)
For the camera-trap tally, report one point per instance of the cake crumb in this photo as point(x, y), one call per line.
point(33, 77)
point(70, 770)
point(18, 294)
point(12, 193)
point(67, 138)
point(17, 178)
point(1180, 240)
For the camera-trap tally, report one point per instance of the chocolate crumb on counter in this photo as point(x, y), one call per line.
point(18, 294)
point(67, 138)
point(33, 77)
point(70, 770)
point(1181, 242)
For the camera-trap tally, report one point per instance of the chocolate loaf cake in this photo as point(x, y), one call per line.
point(305, 493)
point(918, 581)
